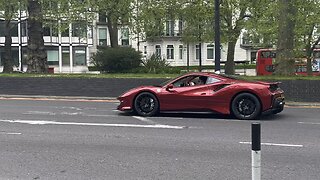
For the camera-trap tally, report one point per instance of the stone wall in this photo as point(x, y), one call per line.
point(295, 90)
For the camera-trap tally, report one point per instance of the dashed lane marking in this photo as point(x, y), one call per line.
point(310, 123)
point(275, 144)
point(10, 133)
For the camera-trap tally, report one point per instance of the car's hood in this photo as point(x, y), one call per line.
point(138, 89)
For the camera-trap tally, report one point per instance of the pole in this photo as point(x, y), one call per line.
point(217, 36)
point(256, 151)
point(200, 55)
point(188, 58)
point(20, 39)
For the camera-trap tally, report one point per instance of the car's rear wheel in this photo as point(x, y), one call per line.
point(146, 104)
point(246, 106)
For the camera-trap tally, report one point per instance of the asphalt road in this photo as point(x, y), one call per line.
point(41, 139)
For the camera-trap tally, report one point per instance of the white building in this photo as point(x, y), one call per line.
point(70, 51)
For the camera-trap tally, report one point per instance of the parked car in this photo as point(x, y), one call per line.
point(205, 92)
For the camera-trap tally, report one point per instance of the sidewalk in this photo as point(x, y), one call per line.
point(114, 99)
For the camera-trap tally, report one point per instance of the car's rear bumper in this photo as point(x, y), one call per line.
point(277, 105)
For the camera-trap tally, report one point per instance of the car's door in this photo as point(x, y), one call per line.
point(184, 96)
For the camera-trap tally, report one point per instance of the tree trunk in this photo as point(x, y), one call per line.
point(113, 31)
point(309, 64)
point(229, 68)
point(37, 56)
point(285, 46)
point(7, 60)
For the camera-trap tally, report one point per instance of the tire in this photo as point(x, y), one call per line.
point(246, 106)
point(146, 104)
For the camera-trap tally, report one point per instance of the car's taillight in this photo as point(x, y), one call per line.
point(273, 87)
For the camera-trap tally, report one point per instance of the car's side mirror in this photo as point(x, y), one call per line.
point(169, 88)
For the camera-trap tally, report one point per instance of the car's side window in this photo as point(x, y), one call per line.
point(212, 80)
point(182, 82)
point(191, 81)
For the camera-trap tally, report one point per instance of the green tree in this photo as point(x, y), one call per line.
point(117, 13)
point(197, 16)
point(307, 28)
point(37, 57)
point(58, 13)
point(8, 11)
point(285, 45)
point(234, 14)
point(262, 25)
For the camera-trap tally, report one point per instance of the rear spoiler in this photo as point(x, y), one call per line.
point(273, 86)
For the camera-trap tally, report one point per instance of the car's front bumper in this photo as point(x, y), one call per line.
point(124, 105)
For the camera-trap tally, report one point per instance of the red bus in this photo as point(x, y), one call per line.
point(266, 59)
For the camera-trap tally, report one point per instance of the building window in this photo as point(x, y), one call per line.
point(64, 29)
point(79, 56)
point(50, 28)
point(180, 27)
point(13, 28)
point(79, 29)
point(170, 52)
point(158, 51)
point(170, 28)
point(102, 36)
point(210, 51)
point(14, 55)
point(125, 37)
point(53, 57)
point(197, 52)
point(24, 27)
point(180, 51)
point(102, 17)
point(65, 56)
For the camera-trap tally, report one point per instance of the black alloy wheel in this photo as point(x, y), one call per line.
point(246, 106)
point(146, 104)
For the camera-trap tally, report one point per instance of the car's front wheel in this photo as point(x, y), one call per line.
point(146, 104)
point(246, 106)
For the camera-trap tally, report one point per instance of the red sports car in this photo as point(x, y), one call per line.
point(205, 92)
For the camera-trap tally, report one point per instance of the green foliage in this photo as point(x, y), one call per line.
point(198, 21)
point(262, 25)
point(155, 64)
point(121, 59)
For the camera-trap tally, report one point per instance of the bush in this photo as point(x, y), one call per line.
point(155, 64)
point(114, 60)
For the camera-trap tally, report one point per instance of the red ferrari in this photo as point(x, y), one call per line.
point(205, 92)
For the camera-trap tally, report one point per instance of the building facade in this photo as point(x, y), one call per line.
point(70, 51)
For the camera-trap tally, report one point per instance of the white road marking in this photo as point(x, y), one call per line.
point(143, 119)
point(311, 123)
point(274, 144)
point(32, 122)
point(72, 114)
point(39, 113)
point(10, 133)
point(97, 115)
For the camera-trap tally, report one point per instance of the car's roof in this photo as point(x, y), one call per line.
point(203, 74)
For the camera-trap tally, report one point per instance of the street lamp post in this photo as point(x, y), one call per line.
point(217, 36)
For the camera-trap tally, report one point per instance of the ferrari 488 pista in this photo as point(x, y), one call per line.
point(205, 92)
